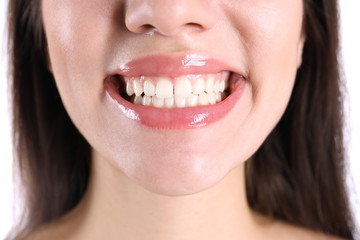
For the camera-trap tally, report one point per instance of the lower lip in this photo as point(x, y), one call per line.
point(176, 118)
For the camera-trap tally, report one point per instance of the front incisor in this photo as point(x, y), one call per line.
point(183, 88)
point(164, 89)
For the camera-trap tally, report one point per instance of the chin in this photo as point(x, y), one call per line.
point(175, 175)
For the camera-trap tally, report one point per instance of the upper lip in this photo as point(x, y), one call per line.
point(172, 66)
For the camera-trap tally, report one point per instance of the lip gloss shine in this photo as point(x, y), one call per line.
point(173, 66)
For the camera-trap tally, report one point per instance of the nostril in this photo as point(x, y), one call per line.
point(188, 27)
point(194, 26)
point(191, 24)
point(146, 28)
point(169, 18)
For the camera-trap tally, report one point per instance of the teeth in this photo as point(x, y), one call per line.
point(169, 102)
point(212, 98)
point(138, 88)
point(217, 87)
point(137, 100)
point(157, 102)
point(193, 100)
point(218, 97)
point(180, 102)
point(129, 89)
point(146, 101)
point(189, 91)
point(222, 86)
point(209, 86)
point(164, 88)
point(198, 86)
point(183, 88)
point(149, 88)
point(203, 99)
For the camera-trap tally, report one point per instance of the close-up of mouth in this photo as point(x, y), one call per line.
point(175, 103)
point(174, 92)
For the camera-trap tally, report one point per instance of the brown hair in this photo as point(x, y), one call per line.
point(297, 175)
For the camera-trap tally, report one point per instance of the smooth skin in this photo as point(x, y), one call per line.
point(172, 184)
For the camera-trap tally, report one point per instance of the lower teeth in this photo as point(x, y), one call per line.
point(192, 101)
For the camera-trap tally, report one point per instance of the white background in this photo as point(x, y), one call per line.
point(350, 54)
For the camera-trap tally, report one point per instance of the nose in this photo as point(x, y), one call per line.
point(169, 17)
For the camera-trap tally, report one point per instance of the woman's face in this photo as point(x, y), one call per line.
point(100, 50)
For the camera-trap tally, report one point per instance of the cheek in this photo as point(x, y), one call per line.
point(273, 68)
point(271, 34)
point(74, 32)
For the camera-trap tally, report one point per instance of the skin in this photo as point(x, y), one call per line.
point(172, 184)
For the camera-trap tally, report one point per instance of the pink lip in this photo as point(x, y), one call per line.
point(176, 118)
point(171, 66)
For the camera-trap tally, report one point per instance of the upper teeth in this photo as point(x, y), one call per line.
point(189, 90)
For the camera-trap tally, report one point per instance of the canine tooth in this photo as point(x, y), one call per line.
point(149, 88)
point(146, 101)
point(157, 102)
point(129, 89)
point(138, 88)
point(198, 86)
point(164, 88)
point(217, 87)
point(209, 85)
point(137, 100)
point(212, 98)
point(193, 100)
point(169, 102)
point(222, 86)
point(183, 87)
point(180, 102)
point(203, 99)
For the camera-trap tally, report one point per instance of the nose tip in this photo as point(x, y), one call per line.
point(169, 17)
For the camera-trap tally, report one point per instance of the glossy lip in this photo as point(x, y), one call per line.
point(173, 66)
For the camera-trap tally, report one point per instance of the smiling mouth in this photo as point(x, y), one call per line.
point(174, 92)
